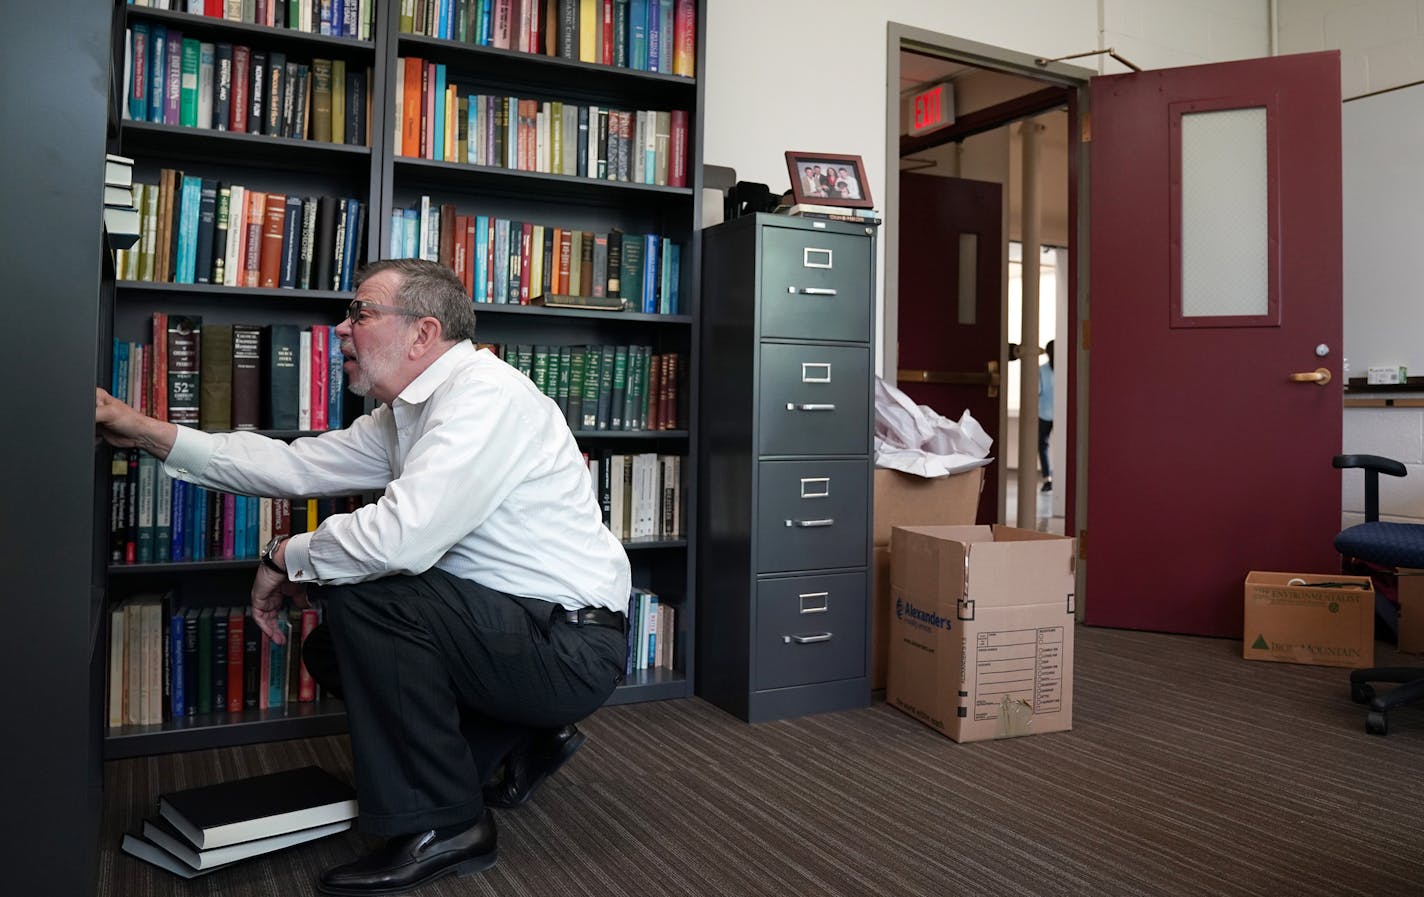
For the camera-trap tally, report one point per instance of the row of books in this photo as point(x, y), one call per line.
point(234, 376)
point(517, 262)
point(646, 35)
point(199, 230)
point(447, 122)
point(154, 518)
point(337, 18)
point(177, 80)
point(641, 495)
point(210, 827)
point(652, 628)
point(602, 387)
point(169, 662)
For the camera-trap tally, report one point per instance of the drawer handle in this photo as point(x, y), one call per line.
point(823, 482)
point(808, 366)
point(803, 406)
point(821, 608)
point(806, 639)
point(812, 291)
point(825, 521)
point(806, 258)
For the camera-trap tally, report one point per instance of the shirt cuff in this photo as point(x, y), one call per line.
point(191, 452)
point(297, 555)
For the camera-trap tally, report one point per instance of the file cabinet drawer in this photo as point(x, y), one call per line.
point(814, 400)
point(810, 629)
point(815, 285)
point(811, 514)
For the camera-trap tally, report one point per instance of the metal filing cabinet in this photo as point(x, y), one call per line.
point(785, 481)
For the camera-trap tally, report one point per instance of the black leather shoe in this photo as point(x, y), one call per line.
point(529, 765)
point(409, 861)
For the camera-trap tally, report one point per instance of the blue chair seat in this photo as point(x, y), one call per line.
point(1385, 544)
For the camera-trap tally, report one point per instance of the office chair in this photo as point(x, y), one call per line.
point(1378, 547)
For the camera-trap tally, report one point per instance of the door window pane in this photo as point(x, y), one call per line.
point(1225, 228)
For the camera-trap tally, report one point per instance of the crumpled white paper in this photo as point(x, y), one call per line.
point(919, 440)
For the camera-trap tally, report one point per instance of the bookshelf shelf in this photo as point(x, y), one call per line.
point(500, 308)
point(629, 434)
point(651, 685)
point(653, 544)
point(260, 35)
point(534, 72)
point(221, 729)
point(144, 138)
point(418, 173)
point(338, 298)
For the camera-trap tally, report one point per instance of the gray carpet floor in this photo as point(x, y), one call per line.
point(1188, 772)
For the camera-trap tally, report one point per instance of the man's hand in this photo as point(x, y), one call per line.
point(270, 593)
point(124, 427)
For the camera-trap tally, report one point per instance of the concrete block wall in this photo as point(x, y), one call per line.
point(1396, 433)
point(1381, 42)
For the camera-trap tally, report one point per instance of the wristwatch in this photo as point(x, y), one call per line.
point(269, 555)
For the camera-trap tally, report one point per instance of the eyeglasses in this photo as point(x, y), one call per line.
point(353, 311)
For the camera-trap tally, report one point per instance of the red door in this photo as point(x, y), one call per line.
point(1215, 276)
point(949, 331)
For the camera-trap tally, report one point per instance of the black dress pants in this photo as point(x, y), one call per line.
point(442, 677)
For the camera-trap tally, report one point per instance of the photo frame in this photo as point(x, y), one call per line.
point(828, 179)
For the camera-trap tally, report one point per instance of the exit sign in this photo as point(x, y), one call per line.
point(931, 109)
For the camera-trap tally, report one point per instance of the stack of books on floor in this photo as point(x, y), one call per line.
point(120, 214)
point(201, 830)
point(831, 213)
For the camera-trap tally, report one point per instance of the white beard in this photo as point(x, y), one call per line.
point(373, 365)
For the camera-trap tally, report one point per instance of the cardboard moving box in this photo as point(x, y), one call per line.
point(981, 640)
point(903, 499)
point(1288, 619)
point(1411, 610)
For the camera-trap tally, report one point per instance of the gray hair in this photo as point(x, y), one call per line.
point(430, 289)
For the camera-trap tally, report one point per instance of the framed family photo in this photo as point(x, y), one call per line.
point(828, 179)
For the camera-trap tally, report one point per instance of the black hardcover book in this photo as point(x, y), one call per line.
point(276, 93)
point(280, 380)
point(222, 90)
point(355, 106)
point(569, 29)
point(600, 167)
point(207, 212)
point(161, 833)
point(219, 676)
point(605, 387)
point(582, 166)
point(262, 806)
point(251, 660)
point(324, 252)
point(256, 89)
point(190, 661)
point(291, 241)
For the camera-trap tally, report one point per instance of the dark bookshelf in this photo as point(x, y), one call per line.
point(377, 176)
point(259, 36)
point(208, 730)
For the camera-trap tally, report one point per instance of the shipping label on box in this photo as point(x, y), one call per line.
point(981, 642)
point(1320, 619)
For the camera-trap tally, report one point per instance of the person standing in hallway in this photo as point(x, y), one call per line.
point(1045, 416)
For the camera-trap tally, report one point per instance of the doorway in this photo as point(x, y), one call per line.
point(1004, 106)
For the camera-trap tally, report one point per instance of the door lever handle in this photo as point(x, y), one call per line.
point(1319, 376)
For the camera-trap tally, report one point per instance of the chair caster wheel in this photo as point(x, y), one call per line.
point(1377, 723)
point(1362, 693)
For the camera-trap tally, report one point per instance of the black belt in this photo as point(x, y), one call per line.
point(595, 616)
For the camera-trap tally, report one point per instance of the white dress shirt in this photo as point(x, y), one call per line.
point(481, 476)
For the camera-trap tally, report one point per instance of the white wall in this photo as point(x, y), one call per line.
point(1381, 44)
point(810, 74)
